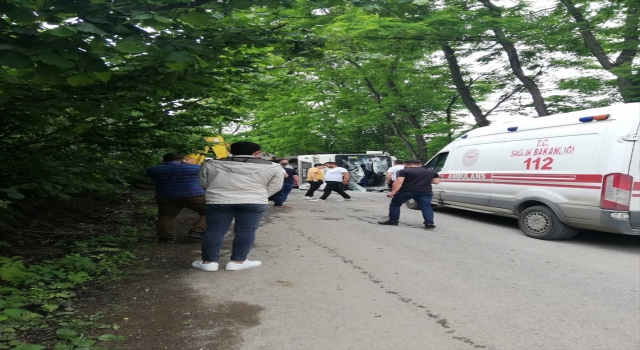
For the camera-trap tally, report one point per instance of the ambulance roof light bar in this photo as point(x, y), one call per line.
point(594, 117)
point(512, 129)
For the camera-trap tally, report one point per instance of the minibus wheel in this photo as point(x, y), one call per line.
point(541, 222)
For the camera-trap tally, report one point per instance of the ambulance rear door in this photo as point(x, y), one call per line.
point(634, 171)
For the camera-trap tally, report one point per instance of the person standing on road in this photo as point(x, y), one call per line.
point(315, 178)
point(236, 188)
point(290, 181)
point(415, 182)
point(278, 198)
point(285, 163)
point(335, 177)
point(177, 187)
point(392, 172)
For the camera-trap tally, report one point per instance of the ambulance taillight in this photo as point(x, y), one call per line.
point(616, 192)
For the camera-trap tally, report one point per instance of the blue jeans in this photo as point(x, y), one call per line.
point(219, 217)
point(422, 198)
point(286, 189)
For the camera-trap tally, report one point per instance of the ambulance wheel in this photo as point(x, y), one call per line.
point(411, 204)
point(541, 222)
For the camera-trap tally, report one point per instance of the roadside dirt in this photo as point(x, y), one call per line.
point(152, 308)
point(156, 311)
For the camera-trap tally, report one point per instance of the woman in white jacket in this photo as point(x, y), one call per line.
point(236, 188)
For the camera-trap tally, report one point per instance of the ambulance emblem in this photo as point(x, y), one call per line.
point(471, 157)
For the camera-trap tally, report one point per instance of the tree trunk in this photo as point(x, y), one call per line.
point(514, 61)
point(628, 84)
point(463, 89)
point(421, 143)
point(449, 111)
point(377, 97)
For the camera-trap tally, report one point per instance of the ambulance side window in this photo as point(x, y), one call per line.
point(437, 163)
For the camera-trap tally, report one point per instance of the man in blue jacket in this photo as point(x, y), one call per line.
point(177, 187)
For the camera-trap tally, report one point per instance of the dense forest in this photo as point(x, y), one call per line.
point(93, 91)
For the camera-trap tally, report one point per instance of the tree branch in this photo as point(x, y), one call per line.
point(463, 90)
point(514, 61)
point(587, 35)
point(180, 5)
point(504, 98)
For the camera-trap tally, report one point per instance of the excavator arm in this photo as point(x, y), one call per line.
point(215, 144)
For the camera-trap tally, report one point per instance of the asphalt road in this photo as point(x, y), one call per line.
point(334, 279)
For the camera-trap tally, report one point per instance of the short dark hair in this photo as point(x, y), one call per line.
point(318, 164)
point(172, 157)
point(330, 163)
point(398, 161)
point(244, 148)
point(281, 159)
point(412, 161)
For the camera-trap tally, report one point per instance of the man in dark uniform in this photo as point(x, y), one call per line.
point(415, 182)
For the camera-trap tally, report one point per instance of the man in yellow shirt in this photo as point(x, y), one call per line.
point(315, 178)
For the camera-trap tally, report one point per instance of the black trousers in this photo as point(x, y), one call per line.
point(313, 186)
point(334, 186)
point(277, 198)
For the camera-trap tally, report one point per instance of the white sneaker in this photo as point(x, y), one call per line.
point(316, 200)
point(305, 197)
point(343, 199)
point(213, 266)
point(247, 264)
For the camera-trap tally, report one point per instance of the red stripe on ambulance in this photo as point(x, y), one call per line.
point(588, 178)
point(550, 180)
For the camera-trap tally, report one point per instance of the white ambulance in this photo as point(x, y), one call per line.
point(556, 174)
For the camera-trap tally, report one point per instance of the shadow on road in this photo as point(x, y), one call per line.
point(608, 240)
point(585, 237)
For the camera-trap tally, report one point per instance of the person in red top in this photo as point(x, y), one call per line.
point(415, 182)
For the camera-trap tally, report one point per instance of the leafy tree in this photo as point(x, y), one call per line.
point(93, 91)
point(369, 87)
point(507, 40)
point(607, 28)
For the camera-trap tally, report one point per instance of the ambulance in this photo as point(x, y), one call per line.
point(555, 174)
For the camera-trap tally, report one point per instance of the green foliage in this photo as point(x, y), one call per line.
point(95, 91)
point(92, 92)
point(371, 91)
point(33, 296)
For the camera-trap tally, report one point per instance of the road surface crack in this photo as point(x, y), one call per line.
point(371, 277)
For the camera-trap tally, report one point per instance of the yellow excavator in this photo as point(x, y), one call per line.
point(215, 144)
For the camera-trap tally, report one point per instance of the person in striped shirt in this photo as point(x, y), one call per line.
point(177, 187)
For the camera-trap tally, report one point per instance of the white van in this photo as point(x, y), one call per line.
point(556, 174)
